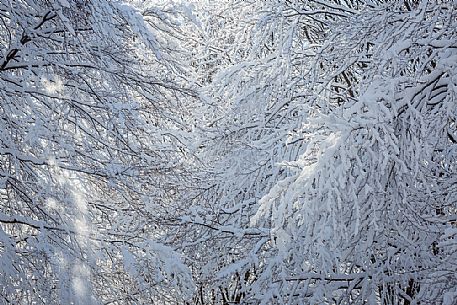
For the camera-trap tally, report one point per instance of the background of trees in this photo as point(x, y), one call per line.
point(228, 152)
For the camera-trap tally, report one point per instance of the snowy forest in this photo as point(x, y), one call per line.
point(221, 152)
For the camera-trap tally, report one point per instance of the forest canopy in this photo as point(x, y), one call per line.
point(228, 152)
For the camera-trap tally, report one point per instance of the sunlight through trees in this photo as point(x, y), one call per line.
point(228, 152)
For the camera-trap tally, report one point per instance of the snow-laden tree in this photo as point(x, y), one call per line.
point(369, 215)
point(92, 151)
point(331, 155)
